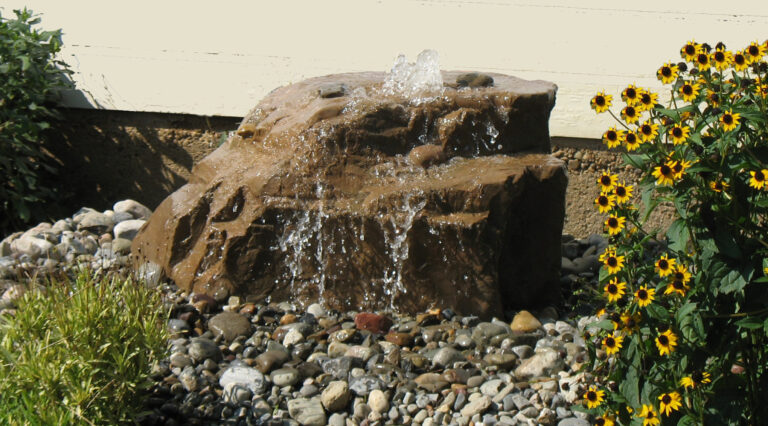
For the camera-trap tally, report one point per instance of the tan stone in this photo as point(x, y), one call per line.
point(315, 193)
point(524, 322)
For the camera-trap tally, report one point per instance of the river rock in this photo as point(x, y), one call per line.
point(134, 208)
point(524, 322)
point(543, 363)
point(201, 349)
point(230, 325)
point(128, 229)
point(247, 377)
point(308, 412)
point(335, 396)
point(321, 182)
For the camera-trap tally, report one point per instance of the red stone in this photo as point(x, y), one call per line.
point(374, 323)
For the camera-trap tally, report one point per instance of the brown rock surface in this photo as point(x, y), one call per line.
point(314, 198)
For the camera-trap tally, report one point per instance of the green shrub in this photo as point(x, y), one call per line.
point(684, 332)
point(80, 352)
point(30, 76)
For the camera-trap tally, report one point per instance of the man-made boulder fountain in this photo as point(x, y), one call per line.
point(367, 191)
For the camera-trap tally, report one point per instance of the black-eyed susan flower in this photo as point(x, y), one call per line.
point(612, 344)
point(667, 73)
point(689, 91)
point(605, 202)
point(614, 290)
point(669, 402)
point(679, 168)
point(601, 102)
point(615, 319)
point(676, 286)
point(647, 101)
point(729, 120)
point(615, 224)
point(630, 95)
point(761, 90)
point(630, 114)
point(702, 61)
point(605, 420)
point(594, 396)
point(631, 141)
point(644, 296)
point(721, 59)
point(648, 131)
point(665, 266)
point(649, 416)
point(718, 186)
point(754, 52)
point(612, 137)
point(679, 134)
point(666, 342)
point(713, 99)
point(607, 181)
point(630, 323)
point(757, 178)
point(740, 61)
point(681, 273)
point(613, 262)
point(664, 174)
point(695, 380)
point(623, 192)
point(690, 50)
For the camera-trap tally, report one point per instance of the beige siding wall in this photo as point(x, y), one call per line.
point(220, 58)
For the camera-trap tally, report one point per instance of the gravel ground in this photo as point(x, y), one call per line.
point(236, 361)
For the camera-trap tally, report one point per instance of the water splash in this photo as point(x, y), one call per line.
point(411, 79)
point(396, 231)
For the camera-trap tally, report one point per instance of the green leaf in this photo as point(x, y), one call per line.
point(687, 420)
point(733, 282)
point(25, 63)
point(678, 235)
point(685, 311)
point(605, 324)
point(750, 323)
point(630, 386)
point(657, 311)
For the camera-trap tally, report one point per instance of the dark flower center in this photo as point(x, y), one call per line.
point(620, 191)
point(665, 171)
point(642, 294)
point(612, 262)
point(612, 289)
point(646, 129)
point(678, 285)
point(666, 71)
point(629, 111)
point(609, 342)
point(616, 318)
point(611, 135)
point(714, 97)
point(677, 168)
point(605, 180)
point(677, 132)
point(687, 89)
point(599, 100)
point(759, 176)
point(666, 399)
point(703, 59)
point(728, 119)
point(631, 138)
point(739, 59)
point(600, 422)
point(690, 49)
point(679, 276)
point(663, 264)
point(645, 98)
point(719, 56)
point(718, 186)
point(697, 376)
point(602, 200)
point(592, 396)
point(613, 222)
point(753, 50)
point(663, 340)
point(631, 93)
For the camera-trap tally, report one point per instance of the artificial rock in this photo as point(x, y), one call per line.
point(363, 198)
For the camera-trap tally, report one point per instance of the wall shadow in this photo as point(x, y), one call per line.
point(105, 156)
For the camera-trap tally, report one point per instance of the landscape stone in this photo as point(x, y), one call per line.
point(524, 322)
point(543, 363)
point(201, 349)
point(248, 377)
point(307, 411)
point(134, 208)
point(230, 325)
point(335, 396)
point(128, 229)
point(332, 163)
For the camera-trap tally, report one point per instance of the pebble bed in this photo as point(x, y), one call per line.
point(240, 362)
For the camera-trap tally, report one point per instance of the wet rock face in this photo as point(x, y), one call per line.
point(333, 189)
